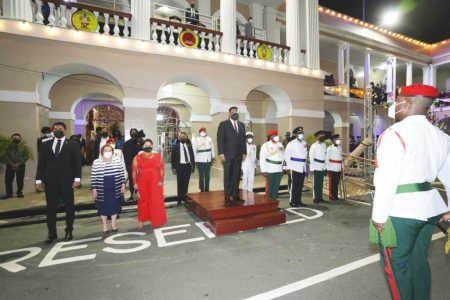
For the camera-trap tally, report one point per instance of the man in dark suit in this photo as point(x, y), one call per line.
point(130, 149)
point(59, 168)
point(183, 162)
point(191, 15)
point(232, 150)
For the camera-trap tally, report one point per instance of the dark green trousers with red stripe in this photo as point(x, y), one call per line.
point(410, 258)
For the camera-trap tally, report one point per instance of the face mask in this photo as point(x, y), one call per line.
point(250, 140)
point(134, 135)
point(17, 141)
point(147, 149)
point(104, 134)
point(47, 135)
point(58, 134)
point(192, 5)
point(234, 116)
point(276, 138)
point(300, 136)
point(107, 154)
point(251, 21)
point(202, 133)
point(182, 141)
point(338, 142)
point(391, 110)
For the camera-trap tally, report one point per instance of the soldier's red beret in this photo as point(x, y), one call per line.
point(418, 89)
point(272, 132)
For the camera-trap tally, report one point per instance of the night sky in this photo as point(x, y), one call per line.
point(425, 20)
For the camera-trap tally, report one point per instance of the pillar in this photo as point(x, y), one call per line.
point(425, 72)
point(228, 25)
point(347, 67)
point(270, 24)
point(391, 78)
point(141, 113)
point(409, 73)
point(18, 9)
point(293, 31)
point(309, 11)
point(367, 70)
point(432, 75)
point(204, 9)
point(256, 12)
point(341, 63)
point(140, 22)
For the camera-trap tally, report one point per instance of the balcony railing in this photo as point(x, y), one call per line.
point(59, 13)
point(168, 32)
point(247, 46)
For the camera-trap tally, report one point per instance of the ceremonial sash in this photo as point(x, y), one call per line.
point(274, 161)
point(414, 187)
point(319, 161)
point(298, 159)
point(335, 161)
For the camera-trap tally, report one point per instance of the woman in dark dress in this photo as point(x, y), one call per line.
point(108, 186)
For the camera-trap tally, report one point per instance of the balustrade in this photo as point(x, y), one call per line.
point(247, 46)
point(59, 13)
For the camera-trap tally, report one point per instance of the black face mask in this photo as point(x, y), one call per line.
point(234, 116)
point(104, 134)
point(182, 141)
point(134, 135)
point(147, 149)
point(58, 134)
point(17, 141)
point(321, 139)
point(192, 5)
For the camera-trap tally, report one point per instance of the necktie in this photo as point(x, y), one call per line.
point(235, 127)
point(186, 157)
point(58, 148)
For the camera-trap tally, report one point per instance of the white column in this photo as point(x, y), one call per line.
point(341, 63)
point(270, 24)
point(391, 78)
point(347, 67)
point(426, 75)
point(204, 9)
point(432, 75)
point(409, 73)
point(140, 20)
point(293, 31)
point(256, 11)
point(228, 25)
point(310, 26)
point(18, 9)
point(367, 70)
point(277, 38)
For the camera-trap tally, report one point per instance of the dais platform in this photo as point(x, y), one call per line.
point(257, 211)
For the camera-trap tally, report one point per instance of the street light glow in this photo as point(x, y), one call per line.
point(391, 17)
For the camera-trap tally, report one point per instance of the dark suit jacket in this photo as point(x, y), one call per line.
point(229, 143)
point(64, 168)
point(96, 150)
point(175, 156)
point(191, 17)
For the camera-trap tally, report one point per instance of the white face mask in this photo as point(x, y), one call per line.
point(250, 140)
point(391, 110)
point(276, 138)
point(300, 136)
point(338, 142)
point(48, 135)
point(202, 133)
point(107, 155)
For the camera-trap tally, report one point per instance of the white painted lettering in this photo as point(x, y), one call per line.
point(13, 266)
point(111, 241)
point(162, 241)
point(205, 230)
point(49, 258)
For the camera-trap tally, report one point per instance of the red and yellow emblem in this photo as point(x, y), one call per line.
point(189, 39)
point(84, 20)
point(264, 52)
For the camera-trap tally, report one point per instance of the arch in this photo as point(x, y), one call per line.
point(180, 115)
point(108, 99)
point(203, 84)
point(355, 120)
point(239, 17)
point(279, 96)
point(336, 117)
point(59, 72)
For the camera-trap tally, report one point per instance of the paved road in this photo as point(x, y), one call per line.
point(312, 257)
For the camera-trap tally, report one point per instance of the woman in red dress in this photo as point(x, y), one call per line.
point(148, 176)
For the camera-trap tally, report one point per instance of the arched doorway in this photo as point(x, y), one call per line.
point(328, 122)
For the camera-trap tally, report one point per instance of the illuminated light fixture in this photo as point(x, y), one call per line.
point(320, 8)
point(339, 15)
point(333, 13)
point(327, 11)
point(361, 23)
point(24, 25)
point(350, 19)
point(391, 17)
point(371, 26)
point(345, 17)
point(355, 21)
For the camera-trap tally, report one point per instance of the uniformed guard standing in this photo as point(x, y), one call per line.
point(334, 167)
point(249, 164)
point(204, 156)
point(271, 157)
point(410, 155)
point(317, 157)
point(295, 157)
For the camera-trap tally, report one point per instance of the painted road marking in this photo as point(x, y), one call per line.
point(302, 284)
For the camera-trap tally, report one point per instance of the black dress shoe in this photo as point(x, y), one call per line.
point(316, 201)
point(68, 236)
point(50, 238)
point(20, 195)
point(301, 204)
point(237, 199)
point(179, 203)
point(6, 197)
point(321, 200)
point(293, 204)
